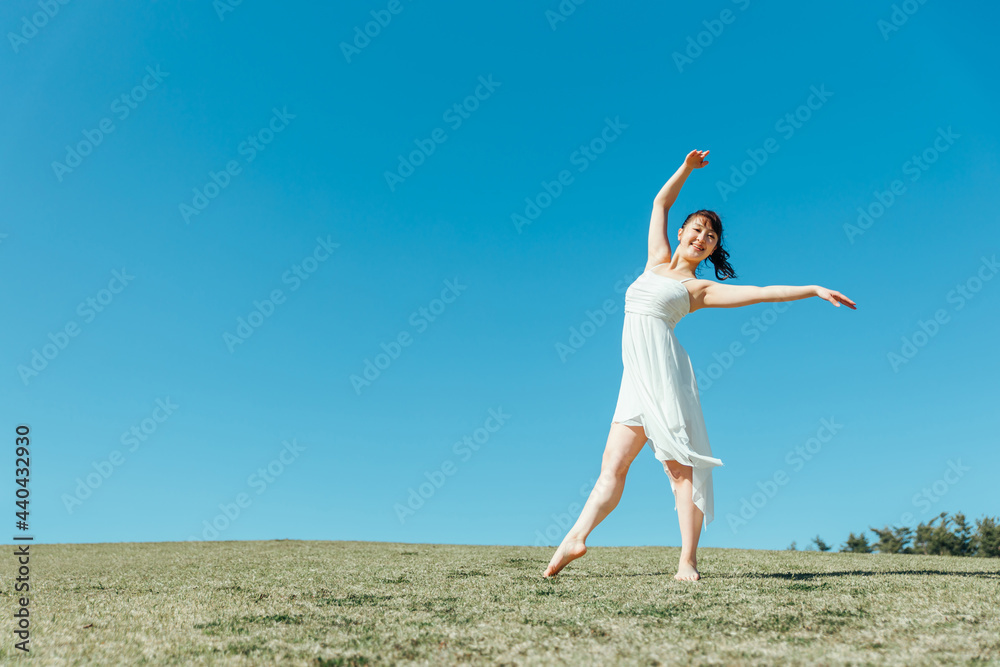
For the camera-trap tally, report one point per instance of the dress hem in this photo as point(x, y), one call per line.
point(657, 454)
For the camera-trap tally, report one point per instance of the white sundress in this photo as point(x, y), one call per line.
point(659, 391)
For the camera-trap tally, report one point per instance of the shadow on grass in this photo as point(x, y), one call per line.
point(853, 573)
point(798, 575)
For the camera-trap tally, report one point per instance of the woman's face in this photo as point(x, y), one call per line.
point(697, 240)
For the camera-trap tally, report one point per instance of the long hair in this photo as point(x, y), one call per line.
point(719, 256)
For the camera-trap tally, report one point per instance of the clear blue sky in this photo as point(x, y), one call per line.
point(213, 157)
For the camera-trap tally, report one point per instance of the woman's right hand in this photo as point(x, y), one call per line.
point(696, 159)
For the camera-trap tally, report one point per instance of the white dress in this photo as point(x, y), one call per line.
point(659, 391)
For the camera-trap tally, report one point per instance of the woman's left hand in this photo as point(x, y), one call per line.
point(834, 297)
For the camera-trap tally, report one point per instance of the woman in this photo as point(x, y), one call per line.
point(658, 400)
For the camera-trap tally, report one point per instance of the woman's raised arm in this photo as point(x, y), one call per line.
point(659, 241)
point(717, 295)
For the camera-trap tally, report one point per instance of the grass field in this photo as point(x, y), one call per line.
point(365, 603)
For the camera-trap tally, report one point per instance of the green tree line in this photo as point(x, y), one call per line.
point(941, 536)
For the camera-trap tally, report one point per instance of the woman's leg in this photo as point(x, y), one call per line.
point(689, 517)
point(624, 444)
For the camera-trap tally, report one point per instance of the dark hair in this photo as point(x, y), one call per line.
point(719, 257)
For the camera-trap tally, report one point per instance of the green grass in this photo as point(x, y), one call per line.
point(363, 603)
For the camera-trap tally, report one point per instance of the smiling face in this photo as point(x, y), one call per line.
point(697, 239)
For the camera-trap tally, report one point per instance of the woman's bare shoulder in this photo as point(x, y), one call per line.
point(698, 288)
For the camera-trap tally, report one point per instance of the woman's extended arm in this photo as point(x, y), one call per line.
point(717, 295)
point(659, 242)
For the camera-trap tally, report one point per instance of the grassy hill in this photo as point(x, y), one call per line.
point(368, 603)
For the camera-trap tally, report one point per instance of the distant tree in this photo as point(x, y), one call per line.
point(791, 547)
point(987, 538)
point(935, 540)
point(941, 536)
point(923, 538)
point(942, 540)
point(893, 540)
point(964, 542)
point(820, 544)
point(857, 544)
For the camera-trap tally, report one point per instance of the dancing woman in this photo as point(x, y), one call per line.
point(658, 400)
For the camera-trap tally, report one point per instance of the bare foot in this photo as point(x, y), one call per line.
point(569, 550)
point(686, 571)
